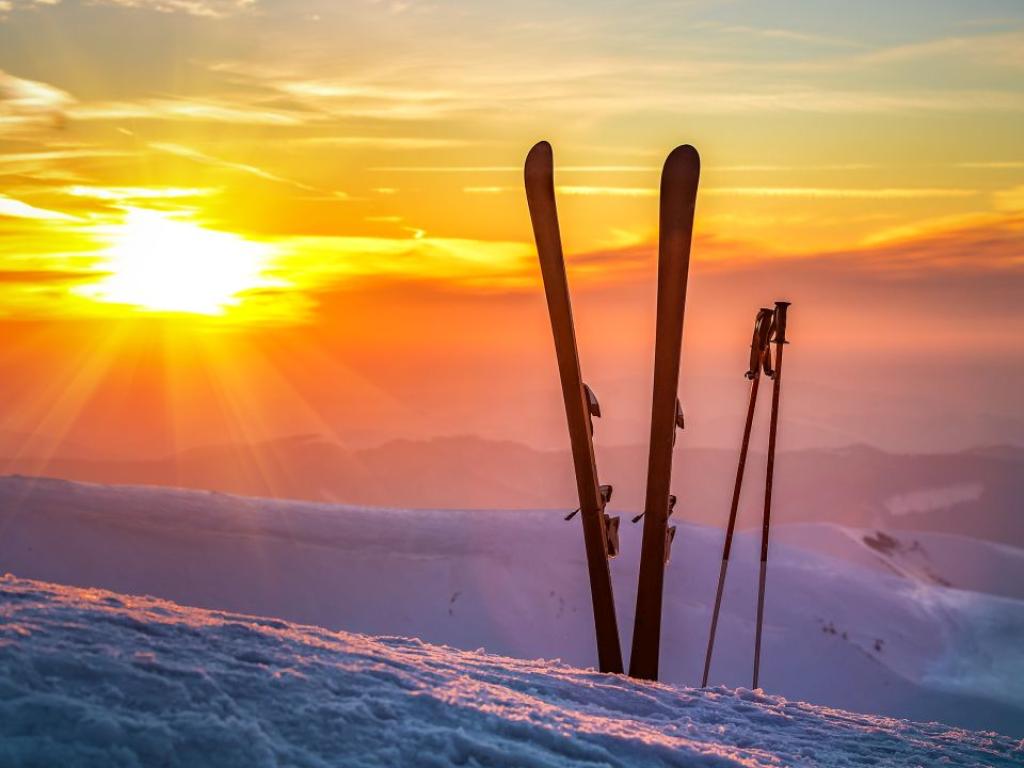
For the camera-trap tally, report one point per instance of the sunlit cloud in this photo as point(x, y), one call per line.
point(28, 103)
point(188, 109)
point(588, 191)
point(318, 261)
point(937, 226)
point(1011, 200)
point(245, 168)
point(18, 209)
point(211, 8)
point(17, 162)
point(382, 142)
point(208, 8)
point(999, 49)
point(886, 193)
point(772, 33)
point(128, 194)
point(511, 168)
point(572, 190)
point(994, 165)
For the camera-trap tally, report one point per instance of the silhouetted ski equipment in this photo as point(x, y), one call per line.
point(679, 179)
point(759, 360)
point(600, 532)
point(779, 338)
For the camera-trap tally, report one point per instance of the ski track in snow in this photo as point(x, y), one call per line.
point(95, 678)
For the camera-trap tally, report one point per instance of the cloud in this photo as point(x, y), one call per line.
point(883, 193)
point(867, 193)
point(30, 103)
point(589, 191)
point(16, 162)
point(1002, 49)
point(149, 195)
point(623, 87)
point(210, 110)
point(788, 35)
point(20, 210)
point(207, 8)
point(1011, 200)
point(994, 165)
point(388, 142)
point(572, 190)
point(251, 170)
point(35, 277)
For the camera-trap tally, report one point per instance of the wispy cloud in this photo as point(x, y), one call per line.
point(574, 190)
point(994, 165)
point(1001, 49)
point(135, 194)
point(383, 142)
point(318, 262)
point(1011, 200)
point(775, 33)
point(21, 210)
point(196, 155)
point(207, 109)
point(512, 168)
point(208, 8)
point(587, 191)
point(886, 193)
point(30, 103)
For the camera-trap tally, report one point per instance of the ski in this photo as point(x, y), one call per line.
point(759, 360)
point(779, 338)
point(679, 179)
point(600, 532)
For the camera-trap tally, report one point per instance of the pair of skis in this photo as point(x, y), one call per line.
point(769, 327)
point(679, 180)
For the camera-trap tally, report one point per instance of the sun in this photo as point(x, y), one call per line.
point(157, 261)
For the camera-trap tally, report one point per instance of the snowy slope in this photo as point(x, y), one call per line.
point(94, 678)
point(847, 625)
point(930, 558)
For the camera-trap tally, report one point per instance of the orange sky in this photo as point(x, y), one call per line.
point(230, 221)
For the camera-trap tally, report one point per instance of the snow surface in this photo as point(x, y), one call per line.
point(871, 627)
point(94, 678)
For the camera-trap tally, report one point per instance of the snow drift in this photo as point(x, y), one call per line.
point(888, 623)
point(93, 678)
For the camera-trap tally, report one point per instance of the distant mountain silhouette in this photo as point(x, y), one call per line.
point(976, 492)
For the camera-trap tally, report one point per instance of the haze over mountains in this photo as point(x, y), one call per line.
point(975, 493)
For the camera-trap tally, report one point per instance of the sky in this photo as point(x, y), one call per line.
point(231, 221)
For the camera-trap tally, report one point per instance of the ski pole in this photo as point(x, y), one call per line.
point(758, 348)
point(779, 325)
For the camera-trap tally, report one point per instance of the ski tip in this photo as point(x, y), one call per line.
point(540, 156)
point(682, 158)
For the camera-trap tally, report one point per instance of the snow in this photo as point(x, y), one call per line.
point(927, 628)
point(94, 678)
point(929, 499)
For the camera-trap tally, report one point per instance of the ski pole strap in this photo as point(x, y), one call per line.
point(759, 340)
point(780, 322)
